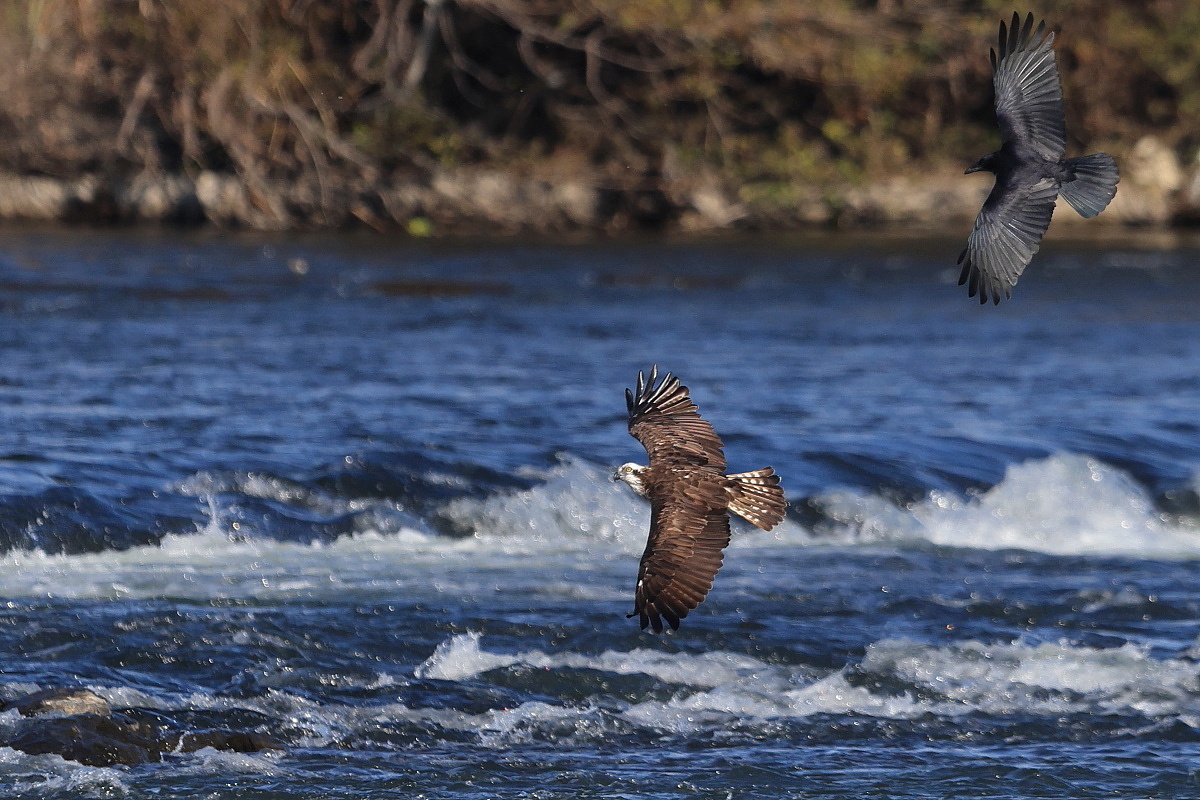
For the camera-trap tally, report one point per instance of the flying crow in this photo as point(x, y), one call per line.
point(1030, 172)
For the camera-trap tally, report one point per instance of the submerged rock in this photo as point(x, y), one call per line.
point(224, 739)
point(78, 725)
point(90, 739)
point(61, 700)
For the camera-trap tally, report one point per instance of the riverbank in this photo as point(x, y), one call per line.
point(1156, 191)
point(489, 116)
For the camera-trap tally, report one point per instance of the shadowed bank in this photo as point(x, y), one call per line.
point(608, 115)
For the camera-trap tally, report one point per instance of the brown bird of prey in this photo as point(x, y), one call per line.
point(1029, 166)
point(690, 499)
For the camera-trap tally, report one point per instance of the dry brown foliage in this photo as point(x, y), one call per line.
point(340, 97)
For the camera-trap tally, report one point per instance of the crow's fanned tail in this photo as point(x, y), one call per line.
point(1092, 183)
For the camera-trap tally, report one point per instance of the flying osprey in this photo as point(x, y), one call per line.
point(1030, 172)
point(690, 499)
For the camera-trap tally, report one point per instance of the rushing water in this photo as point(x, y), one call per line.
point(356, 496)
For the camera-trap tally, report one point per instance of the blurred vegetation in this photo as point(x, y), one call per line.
point(758, 95)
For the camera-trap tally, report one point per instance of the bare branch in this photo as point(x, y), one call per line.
point(141, 93)
point(420, 60)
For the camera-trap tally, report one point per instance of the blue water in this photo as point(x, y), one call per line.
point(354, 494)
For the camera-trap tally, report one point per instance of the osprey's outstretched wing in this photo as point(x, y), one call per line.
point(664, 419)
point(1006, 234)
point(1029, 103)
point(689, 527)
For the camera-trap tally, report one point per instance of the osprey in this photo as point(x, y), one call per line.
point(1030, 172)
point(690, 499)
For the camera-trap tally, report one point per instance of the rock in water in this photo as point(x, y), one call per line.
point(61, 700)
point(90, 739)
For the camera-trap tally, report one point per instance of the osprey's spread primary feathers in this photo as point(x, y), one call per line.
point(690, 499)
point(1028, 167)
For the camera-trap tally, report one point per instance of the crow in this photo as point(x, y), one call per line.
point(1029, 167)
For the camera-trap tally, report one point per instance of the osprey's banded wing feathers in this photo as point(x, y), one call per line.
point(665, 420)
point(689, 529)
point(1029, 103)
point(1006, 234)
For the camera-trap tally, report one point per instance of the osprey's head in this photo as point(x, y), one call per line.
point(986, 163)
point(631, 474)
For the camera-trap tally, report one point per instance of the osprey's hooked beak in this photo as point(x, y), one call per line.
point(616, 475)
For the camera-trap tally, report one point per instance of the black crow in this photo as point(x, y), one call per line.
point(1029, 168)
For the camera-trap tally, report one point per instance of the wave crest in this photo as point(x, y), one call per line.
point(1066, 504)
point(575, 500)
point(897, 680)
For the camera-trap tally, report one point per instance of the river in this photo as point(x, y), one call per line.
point(355, 495)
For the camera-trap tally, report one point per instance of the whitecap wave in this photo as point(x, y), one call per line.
point(575, 501)
point(207, 760)
point(716, 692)
point(255, 484)
point(1066, 504)
point(215, 563)
point(461, 657)
point(50, 775)
point(896, 679)
point(1046, 678)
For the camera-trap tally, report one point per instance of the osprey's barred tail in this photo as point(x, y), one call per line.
point(1094, 185)
point(756, 497)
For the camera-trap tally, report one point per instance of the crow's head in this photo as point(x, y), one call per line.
point(987, 163)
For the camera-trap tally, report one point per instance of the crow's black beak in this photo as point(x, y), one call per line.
point(972, 168)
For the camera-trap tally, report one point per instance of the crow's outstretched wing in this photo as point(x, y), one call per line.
point(1006, 234)
point(1029, 104)
point(689, 527)
point(665, 420)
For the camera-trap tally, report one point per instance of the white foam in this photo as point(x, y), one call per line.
point(757, 701)
point(208, 760)
point(575, 501)
point(1066, 504)
point(726, 685)
point(507, 726)
point(211, 563)
point(579, 520)
point(576, 509)
point(461, 657)
point(252, 484)
point(1003, 678)
point(1047, 679)
point(38, 776)
point(720, 688)
point(711, 691)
